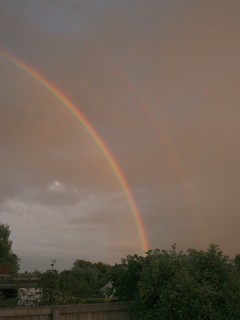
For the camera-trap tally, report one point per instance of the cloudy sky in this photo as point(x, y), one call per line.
point(159, 81)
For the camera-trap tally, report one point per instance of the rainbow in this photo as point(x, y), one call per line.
point(159, 129)
point(82, 119)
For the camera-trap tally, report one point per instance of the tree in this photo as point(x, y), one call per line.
point(8, 259)
point(176, 285)
point(49, 284)
point(126, 275)
point(83, 281)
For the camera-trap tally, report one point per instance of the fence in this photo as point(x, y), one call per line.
point(101, 311)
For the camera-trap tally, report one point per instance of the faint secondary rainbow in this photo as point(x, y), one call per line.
point(81, 118)
point(158, 128)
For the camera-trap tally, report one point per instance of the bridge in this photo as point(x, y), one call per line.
point(9, 282)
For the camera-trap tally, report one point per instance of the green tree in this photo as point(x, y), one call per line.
point(7, 257)
point(180, 286)
point(83, 281)
point(49, 284)
point(126, 275)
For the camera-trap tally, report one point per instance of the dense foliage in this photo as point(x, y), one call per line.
point(9, 264)
point(176, 285)
point(85, 280)
point(8, 260)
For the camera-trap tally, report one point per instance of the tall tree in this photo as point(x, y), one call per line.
point(8, 259)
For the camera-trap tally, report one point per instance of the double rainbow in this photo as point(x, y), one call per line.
point(96, 137)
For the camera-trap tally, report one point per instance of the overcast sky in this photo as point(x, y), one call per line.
point(159, 80)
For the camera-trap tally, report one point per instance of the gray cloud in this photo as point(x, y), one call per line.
point(83, 229)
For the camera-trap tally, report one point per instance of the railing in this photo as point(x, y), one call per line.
point(98, 311)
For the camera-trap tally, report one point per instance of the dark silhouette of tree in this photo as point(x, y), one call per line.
point(180, 286)
point(8, 259)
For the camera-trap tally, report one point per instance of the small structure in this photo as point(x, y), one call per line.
point(107, 291)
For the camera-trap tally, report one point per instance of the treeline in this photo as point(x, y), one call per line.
point(162, 284)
